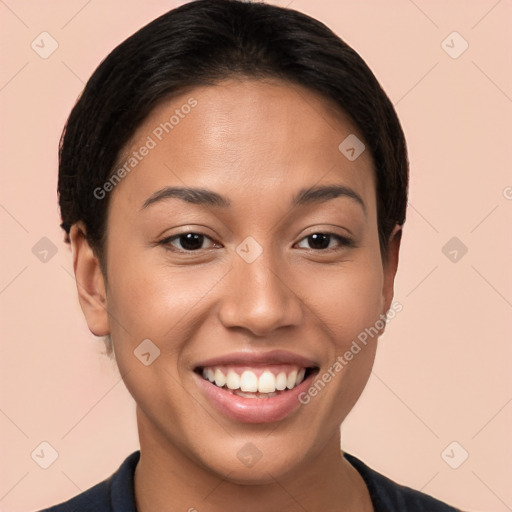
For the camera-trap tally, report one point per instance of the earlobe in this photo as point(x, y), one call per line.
point(391, 266)
point(89, 281)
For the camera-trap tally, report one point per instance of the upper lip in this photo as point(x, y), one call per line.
point(258, 358)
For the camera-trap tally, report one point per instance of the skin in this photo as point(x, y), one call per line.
point(258, 143)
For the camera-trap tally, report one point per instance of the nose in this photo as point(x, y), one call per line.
point(260, 298)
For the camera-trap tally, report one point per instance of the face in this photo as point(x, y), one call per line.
point(260, 278)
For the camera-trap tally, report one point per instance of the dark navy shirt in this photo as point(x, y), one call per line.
point(116, 494)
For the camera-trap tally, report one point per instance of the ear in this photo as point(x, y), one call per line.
point(89, 281)
point(390, 266)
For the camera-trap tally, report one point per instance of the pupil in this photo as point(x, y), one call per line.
point(191, 241)
point(319, 241)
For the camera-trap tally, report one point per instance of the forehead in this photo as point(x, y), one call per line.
point(244, 136)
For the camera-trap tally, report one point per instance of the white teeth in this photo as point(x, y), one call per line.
point(281, 381)
point(208, 374)
point(265, 386)
point(248, 381)
point(232, 380)
point(220, 378)
point(267, 382)
point(292, 379)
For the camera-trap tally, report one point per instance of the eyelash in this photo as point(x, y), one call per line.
point(344, 241)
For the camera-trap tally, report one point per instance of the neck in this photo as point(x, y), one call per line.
point(167, 479)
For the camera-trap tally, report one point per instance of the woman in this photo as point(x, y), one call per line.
point(233, 184)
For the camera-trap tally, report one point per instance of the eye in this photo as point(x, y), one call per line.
point(187, 242)
point(194, 242)
point(322, 241)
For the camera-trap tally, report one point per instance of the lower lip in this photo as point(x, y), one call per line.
point(254, 410)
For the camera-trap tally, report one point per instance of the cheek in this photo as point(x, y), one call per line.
point(348, 305)
point(350, 300)
point(153, 299)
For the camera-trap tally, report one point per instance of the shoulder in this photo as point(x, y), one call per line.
point(388, 495)
point(111, 495)
point(95, 499)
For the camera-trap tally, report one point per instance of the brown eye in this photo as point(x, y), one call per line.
point(322, 241)
point(184, 242)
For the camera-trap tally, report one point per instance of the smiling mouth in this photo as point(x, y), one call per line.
point(256, 382)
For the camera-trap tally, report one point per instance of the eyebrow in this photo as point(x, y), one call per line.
point(201, 196)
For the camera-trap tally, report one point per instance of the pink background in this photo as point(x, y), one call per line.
point(443, 367)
